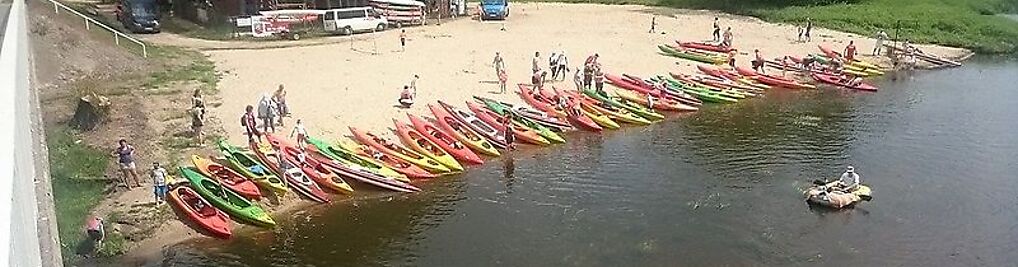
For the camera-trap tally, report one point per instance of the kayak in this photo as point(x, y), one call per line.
point(554, 123)
point(692, 55)
point(416, 141)
point(453, 127)
point(578, 118)
point(312, 167)
point(837, 200)
point(635, 109)
point(226, 200)
point(201, 211)
point(228, 177)
point(656, 91)
point(395, 163)
point(541, 104)
point(501, 110)
point(248, 166)
point(702, 94)
point(839, 81)
point(335, 158)
point(773, 80)
point(455, 148)
point(293, 176)
point(690, 84)
point(613, 112)
point(245, 164)
point(663, 104)
point(596, 116)
point(519, 131)
point(705, 46)
point(351, 165)
point(829, 52)
point(495, 137)
point(395, 150)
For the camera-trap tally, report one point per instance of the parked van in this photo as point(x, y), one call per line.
point(350, 20)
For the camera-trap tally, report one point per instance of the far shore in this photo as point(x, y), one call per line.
point(336, 82)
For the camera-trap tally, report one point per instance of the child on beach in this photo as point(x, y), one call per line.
point(402, 40)
point(502, 77)
point(510, 136)
point(301, 133)
point(249, 124)
point(406, 97)
point(653, 23)
point(159, 183)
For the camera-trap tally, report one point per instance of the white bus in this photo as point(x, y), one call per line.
point(349, 20)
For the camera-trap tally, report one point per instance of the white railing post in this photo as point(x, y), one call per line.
point(89, 21)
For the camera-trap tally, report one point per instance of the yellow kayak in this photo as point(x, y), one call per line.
point(416, 141)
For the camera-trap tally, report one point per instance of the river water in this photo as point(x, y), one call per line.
point(721, 187)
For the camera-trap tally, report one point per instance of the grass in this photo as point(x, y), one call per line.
point(972, 24)
point(193, 66)
point(75, 170)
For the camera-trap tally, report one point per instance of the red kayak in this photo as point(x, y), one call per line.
point(579, 118)
point(398, 164)
point(843, 82)
point(773, 80)
point(493, 119)
point(229, 178)
point(461, 132)
point(538, 101)
point(705, 46)
point(673, 95)
point(201, 211)
point(717, 72)
point(311, 165)
point(455, 148)
point(495, 137)
point(294, 176)
point(392, 149)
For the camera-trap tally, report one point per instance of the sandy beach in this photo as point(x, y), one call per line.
point(355, 81)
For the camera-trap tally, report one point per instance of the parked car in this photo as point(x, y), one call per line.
point(349, 20)
point(494, 9)
point(138, 16)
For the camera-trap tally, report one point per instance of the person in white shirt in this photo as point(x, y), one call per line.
point(301, 133)
point(849, 180)
point(537, 58)
point(159, 183)
point(881, 36)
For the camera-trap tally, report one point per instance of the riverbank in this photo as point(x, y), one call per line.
point(355, 81)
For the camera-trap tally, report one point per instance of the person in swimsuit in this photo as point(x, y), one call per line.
point(510, 136)
point(850, 52)
point(125, 156)
point(301, 133)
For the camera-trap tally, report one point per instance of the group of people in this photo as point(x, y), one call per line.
point(409, 93)
point(125, 155)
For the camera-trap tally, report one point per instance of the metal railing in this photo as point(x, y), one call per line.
point(88, 21)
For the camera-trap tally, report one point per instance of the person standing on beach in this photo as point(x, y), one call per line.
point(268, 113)
point(248, 121)
point(784, 66)
point(498, 63)
point(578, 79)
point(280, 97)
point(197, 122)
point(502, 77)
point(301, 134)
point(159, 187)
point(717, 30)
point(758, 62)
point(809, 29)
point(553, 65)
point(801, 31)
point(598, 80)
point(727, 41)
point(562, 64)
point(125, 156)
point(653, 23)
point(534, 65)
point(850, 52)
point(881, 36)
point(413, 83)
point(731, 59)
point(402, 40)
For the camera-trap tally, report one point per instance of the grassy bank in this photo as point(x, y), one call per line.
point(972, 24)
point(76, 171)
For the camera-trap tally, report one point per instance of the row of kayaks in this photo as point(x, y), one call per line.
point(831, 68)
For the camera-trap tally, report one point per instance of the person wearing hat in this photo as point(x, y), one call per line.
point(849, 180)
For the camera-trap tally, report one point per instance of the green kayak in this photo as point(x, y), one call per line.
point(247, 165)
point(541, 130)
point(631, 107)
point(226, 200)
point(694, 56)
point(353, 161)
point(701, 93)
